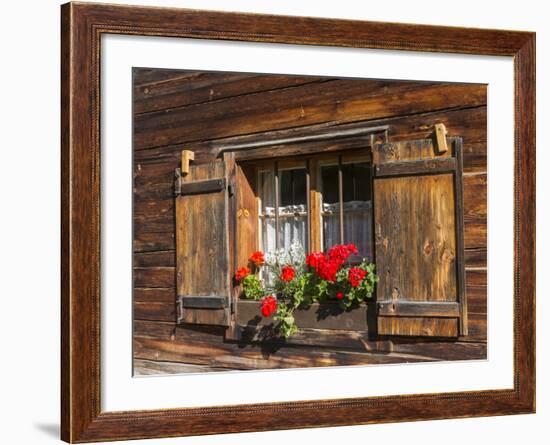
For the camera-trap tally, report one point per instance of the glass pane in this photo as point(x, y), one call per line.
point(357, 196)
point(267, 188)
point(292, 209)
point(362, 184)
point(329, 179)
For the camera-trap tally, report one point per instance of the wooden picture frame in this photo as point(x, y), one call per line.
point(82, 26)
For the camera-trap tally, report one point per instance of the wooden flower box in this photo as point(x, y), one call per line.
point(327, 315)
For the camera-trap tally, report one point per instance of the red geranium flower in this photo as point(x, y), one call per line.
point(327, 269)
point(242, 273)
point(288, 273)
point(268, 306)
point(356, 275)
point(339, 295)
point(314, 258)
point(341, 252)
point(257, 258)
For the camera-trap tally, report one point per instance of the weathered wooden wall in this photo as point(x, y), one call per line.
point(179, 109)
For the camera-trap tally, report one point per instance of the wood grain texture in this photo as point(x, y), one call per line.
point(202, 248)
point(416, 236)
point(247, 214)
point(152, 170)
point(343, 101)
point(82, 27)
point(179, 89)
point(161, 341)
point(150, 367)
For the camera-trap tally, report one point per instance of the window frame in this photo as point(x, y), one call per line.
point(314, 195)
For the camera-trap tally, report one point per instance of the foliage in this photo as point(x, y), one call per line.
point(288, 280)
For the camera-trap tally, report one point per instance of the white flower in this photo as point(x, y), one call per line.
point(270, 259)
point(282, 257)
point(297, 254)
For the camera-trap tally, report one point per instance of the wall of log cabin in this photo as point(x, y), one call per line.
point(176, 109)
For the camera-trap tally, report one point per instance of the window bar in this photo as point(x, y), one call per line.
point(354, 183)
point(341, 198)
point(277, 198)
point(308, 205)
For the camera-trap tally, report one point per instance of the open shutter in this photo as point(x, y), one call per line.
point(202, 248)
point(418, 219)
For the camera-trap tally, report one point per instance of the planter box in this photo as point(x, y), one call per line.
point(327, 315)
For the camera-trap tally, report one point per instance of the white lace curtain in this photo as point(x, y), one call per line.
point(357, 226)
point(293, 222)
point(292, 219)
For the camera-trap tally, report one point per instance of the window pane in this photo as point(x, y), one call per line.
point(362, 184)
point(329, 178)
point(267, 214)
point(267, 187)
point(358, 209)
point(292, 209)
point(331, 207)
point(357, 197)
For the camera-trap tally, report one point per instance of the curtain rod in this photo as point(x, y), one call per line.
point(336, 134)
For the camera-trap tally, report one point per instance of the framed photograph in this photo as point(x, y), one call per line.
point(276, 222)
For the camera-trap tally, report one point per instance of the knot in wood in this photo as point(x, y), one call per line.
point(428, 248)
point(395, 293)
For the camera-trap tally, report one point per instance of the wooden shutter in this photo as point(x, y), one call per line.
point(418, 219)
point(202, 248)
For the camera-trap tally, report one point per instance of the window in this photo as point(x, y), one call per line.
point(316, 202)
point(400, 203)
point(283, 207)
point(346, 211)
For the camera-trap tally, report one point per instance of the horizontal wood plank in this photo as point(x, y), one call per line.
point(183, 88)
point(259, 357)
point(342, 100)
point(155, 304)
point(214, 317)
point(163, 258)
point(407, 168)
point(154, 168)
point(155, 294)
point(154, 311)
point(154, 276)
point(196, 346)
point(144, 368)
